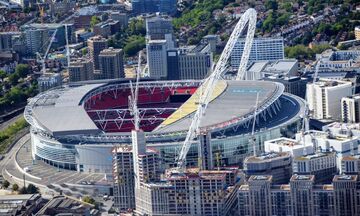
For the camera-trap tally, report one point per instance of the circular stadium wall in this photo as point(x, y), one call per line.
point(77, 127)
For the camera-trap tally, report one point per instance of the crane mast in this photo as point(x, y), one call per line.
point(133, 98)
point(210, 83)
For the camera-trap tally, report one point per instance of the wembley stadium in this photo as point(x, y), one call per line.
point(76, 127)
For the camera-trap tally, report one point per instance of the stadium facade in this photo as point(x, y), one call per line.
point(77, 127)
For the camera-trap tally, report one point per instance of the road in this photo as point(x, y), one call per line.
point(6, 124)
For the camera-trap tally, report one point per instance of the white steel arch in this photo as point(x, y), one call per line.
point(210, 83)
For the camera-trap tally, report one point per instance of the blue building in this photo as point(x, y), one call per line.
point(153, 6)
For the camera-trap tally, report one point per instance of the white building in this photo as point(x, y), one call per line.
point(321, 164)
point(294, 147)
point(262, 49)
point(157, 58)
point(262, 69)
point(350, 109)
point(324, 98)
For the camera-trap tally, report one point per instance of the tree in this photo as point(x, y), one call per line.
point(271, 5)
point(89, 200)
point(22, 190)
point(32, 189)
point(3, 75)
point(22, 70)
point(5, 184)
point(94, 20)
point(14, 79)
point(15, 187)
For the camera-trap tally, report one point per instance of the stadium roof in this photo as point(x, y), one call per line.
point(62, 112)
point(62, 115)
point(235, 101)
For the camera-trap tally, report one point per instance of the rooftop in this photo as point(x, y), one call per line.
point(302, 178)
point(316, 155)
point(267, 157)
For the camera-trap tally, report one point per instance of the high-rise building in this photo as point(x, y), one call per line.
point(188, 65)
point(6, 40)
point(193, 192)
point(36, 40)
point(294, 147)
point(121, 17)
point(324, 98)
point(81, 70)
point(350, 109)
point(262, 49)
point(152, 6)
point(158, 26)
point(321, 164)
point(96, 45)
point(350, 165)
point(112, 63)
point(301, 197)
point(145, 6)
point(157, 58)
point(278, 165)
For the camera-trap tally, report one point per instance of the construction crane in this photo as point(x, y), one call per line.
point(252, 139)
point(210, 83)
point(42, 59)
point(133, 98)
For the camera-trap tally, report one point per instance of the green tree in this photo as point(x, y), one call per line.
point(271, 5)
point(15, 187)
point(22, 70)
point(32, 189)
point(14, 79)
point(5, 184)
point(94, 20)
point(3, 75)
point(89, 200)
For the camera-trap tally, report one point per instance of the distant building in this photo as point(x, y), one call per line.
point(278, 165)
point(112, 63)
point(350, 109)
point(35, 40)
point(294, 85)
point(340, 60)
point(81, 70)
point(145, 6)
point(324, 98)
point(294, 147)
point(38, 36)
point(188, 65)
point(96, 45)
point(7, 40)
point(302, 196)
point(262, 49)
point(152, 6)
point(107, 28)
point(60, 205)
point(158, 26)
point(262, 69)
point(48, 81)
point(24, 204)
point(357, 32)
point(121, 17)
point(157, 58)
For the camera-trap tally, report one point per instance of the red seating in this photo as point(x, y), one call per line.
point(148, 98)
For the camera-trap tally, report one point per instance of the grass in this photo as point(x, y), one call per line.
point(9, 135)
